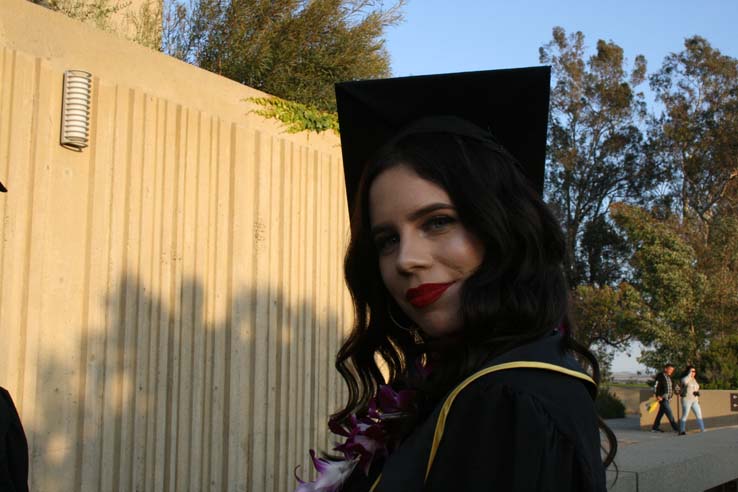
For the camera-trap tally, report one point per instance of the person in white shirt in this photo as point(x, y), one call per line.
point(690, 400)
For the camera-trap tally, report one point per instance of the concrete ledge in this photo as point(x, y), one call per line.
point(695, 462)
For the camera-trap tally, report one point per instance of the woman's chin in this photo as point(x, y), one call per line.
point(436, 328)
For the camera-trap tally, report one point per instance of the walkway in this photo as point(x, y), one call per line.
point(651, 462)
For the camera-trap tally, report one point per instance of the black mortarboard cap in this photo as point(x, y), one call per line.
point(511, 104)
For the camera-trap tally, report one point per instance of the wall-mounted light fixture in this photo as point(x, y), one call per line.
point(75, 124)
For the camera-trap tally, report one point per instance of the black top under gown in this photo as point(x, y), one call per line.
point(13, 447)
point(512, 430)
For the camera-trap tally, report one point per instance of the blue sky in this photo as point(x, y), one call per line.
point(457, 35)
point(440, 36)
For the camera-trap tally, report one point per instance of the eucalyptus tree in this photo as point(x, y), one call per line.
point(694, 139)
point(595, 158)
point(595, 149)
point(695, 136)
point(293, 49)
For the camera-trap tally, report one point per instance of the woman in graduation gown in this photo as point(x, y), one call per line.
point(13, 446)
point(455, 270)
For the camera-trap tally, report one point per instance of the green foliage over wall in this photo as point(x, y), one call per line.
point(296, 117)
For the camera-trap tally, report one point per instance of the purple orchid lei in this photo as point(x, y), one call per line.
point(366, 438)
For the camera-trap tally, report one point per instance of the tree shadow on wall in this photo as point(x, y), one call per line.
point(196, 391)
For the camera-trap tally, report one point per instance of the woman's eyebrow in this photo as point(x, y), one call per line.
point(429, 209)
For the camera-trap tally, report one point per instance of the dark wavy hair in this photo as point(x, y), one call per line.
point(686, 371)
point(518, 294)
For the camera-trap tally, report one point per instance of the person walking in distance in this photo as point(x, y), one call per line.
point(690, 400)
point(664, 390)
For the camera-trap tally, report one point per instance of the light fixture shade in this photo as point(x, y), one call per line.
point(76, 97)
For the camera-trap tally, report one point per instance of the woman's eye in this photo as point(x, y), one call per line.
point(438, 223)
point(386, 242)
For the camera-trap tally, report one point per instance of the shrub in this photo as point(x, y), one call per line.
point(609, 406)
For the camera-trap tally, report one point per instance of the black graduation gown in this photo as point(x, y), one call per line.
point(512, 430)
point(13, 447)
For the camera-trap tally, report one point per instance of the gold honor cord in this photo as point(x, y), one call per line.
point(441, 422)
point(376, 482)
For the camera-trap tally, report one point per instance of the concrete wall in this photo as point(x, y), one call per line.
point(171, 297)
point(715, 406)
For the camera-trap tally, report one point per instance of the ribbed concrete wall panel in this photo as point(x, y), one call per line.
point(172, 296)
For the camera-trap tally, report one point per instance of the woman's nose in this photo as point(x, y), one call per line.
point(412, 254)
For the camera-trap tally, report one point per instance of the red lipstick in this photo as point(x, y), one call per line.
point(426, 294)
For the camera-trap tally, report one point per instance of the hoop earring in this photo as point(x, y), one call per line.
point(411, 329)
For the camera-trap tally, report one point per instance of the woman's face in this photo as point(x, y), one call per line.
point(425, 253)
